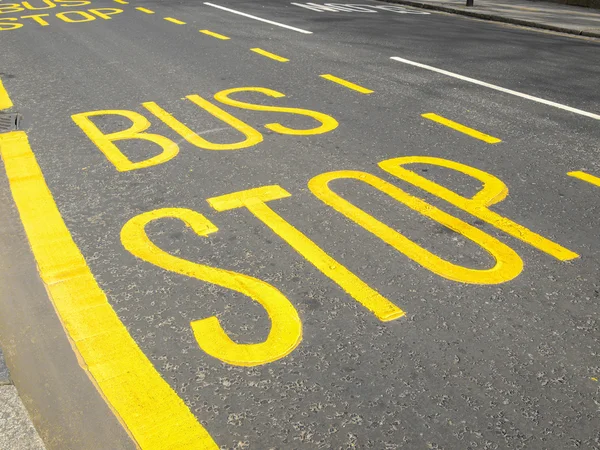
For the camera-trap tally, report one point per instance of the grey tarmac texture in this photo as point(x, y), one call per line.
point(470, 366)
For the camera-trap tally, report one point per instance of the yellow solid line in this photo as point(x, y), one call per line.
point(347, 84)
point(463, 129)
point(215, 35)
point(144, 10)
point(178, 22)
point(122, 2)
point(152, 412)
point(585, 177)
point(260, 51)
point(5, 101)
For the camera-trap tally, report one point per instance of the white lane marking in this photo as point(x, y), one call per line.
point(282, 25)
point(348, 7)
point(498, 88)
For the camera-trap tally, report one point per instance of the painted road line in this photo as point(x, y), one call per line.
point(250, 16)
point(260, 51)
point(347, 84)
point(178, 22)
point(152, 412)
point(145, 10)
point(215, 35)
point(498, 88)
point(5, 101)
point(463, 129)
point(585, 177)
point(122, 2)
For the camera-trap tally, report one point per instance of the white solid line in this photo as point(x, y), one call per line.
point(299, 30)
point(498, 88)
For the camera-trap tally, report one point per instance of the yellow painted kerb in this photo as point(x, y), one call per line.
point(5, 101)
point(152, 412)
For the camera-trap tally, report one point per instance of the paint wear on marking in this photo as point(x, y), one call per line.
point(497, 88)
point(347, 84)
point(260, 19)
point(262, 52)
point(462, 128)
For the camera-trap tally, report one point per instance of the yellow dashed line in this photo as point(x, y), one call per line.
point(585, 177)
point(122, 2)
point(178, 22)
point(144, 10)
point(260, 51)
point(348, 84)
point(215, 35)
point(463, 129)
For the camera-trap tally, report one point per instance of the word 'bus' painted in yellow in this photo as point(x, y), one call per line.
point(40, 5)
point(170, 149)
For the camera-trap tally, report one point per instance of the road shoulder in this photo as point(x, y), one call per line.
point(16, 430)
point(552, 17)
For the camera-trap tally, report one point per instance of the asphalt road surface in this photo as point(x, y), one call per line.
point(308, 226)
